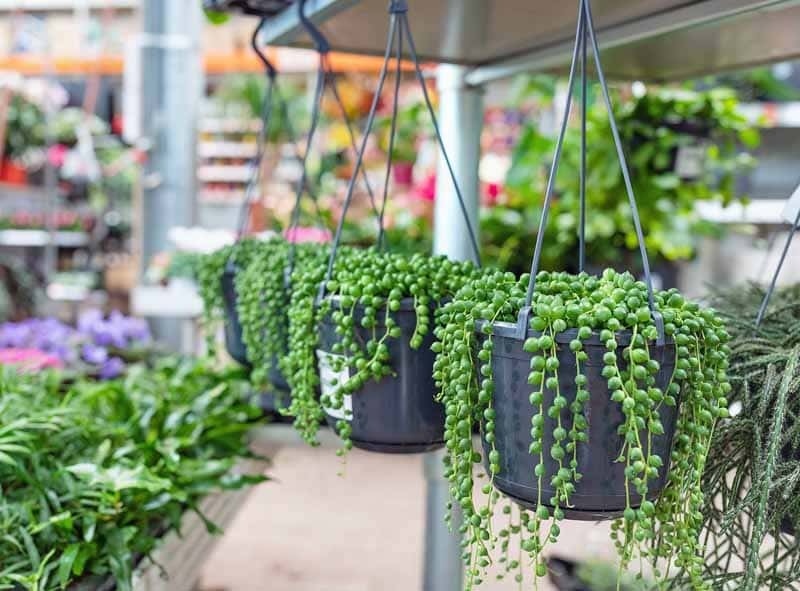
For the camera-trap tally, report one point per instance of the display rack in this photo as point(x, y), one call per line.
point(225, 152)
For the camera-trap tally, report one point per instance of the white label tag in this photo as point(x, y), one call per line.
point(330, 380)
point(792, 207)
point(690, 161)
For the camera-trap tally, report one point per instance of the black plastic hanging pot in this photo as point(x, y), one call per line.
point(601, 492)
point(398, 414)
point(233, 328)
point(234, 341)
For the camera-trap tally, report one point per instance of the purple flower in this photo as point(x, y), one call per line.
point(94, 354)
point(88, 319)
point(112, 368)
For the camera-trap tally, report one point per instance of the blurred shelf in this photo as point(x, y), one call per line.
point(213, 125)
point(224, 173)
point(221, 198)
point(64, 5)
point(179, 299)
point(64, 292)
point(759, 211)
point(771, 115)
point(41, 238)
point(227, 150)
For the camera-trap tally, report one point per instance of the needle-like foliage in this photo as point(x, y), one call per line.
point(753, 471)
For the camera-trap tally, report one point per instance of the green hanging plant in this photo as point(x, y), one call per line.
point(209, 279)
point(263, 302)
point(367, 290)
point(753, 474)
point(569, 314)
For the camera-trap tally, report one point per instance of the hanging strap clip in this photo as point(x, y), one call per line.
point(398, 6)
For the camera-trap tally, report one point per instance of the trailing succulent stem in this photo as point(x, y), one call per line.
point(367, 290)
point(614, 309)
point(209, 279)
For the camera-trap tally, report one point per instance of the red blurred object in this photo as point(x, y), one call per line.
point(426, 190)
point(493, 192)
point(403, 173)
point(12, 173)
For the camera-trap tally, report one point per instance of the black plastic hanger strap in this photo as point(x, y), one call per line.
point(360, 157)
point(398, 19)
point(585, 30)
point(768, 296)
point(251, 191)
point(402, 11)
point(392, 133)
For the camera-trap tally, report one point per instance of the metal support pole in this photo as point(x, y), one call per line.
point(172, 88)
point(172, 85)
point(461, 120)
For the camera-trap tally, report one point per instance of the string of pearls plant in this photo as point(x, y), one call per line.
point(365, 292)
point(263, 302)
point(209, 276)
point(663, 531)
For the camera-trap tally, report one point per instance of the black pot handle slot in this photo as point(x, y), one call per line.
point(399, 30)
point(586, 35)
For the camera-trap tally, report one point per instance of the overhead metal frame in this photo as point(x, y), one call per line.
point(647, 39)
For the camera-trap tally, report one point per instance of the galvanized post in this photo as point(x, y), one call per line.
point(172, 88)
point(461, 120)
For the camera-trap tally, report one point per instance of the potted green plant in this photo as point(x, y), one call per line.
point(409, 126)
point(365, 344)
point(124, 462)
point(216, 276)
point(624, 387)
point(24, 130)
point(714, 141)
point(752, 476)
point(361, 326)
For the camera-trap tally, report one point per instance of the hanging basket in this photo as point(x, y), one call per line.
point(234, 341)
point(398, 414)
point(233, 327)
point(601, 493)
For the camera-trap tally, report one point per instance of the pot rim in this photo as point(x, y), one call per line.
point(508, 330)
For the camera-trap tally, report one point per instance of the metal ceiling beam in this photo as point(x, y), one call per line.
point(285, 28)
point(557, 56)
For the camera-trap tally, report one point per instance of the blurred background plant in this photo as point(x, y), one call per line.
point(682, 146)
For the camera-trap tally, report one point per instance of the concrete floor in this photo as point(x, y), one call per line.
point(311, 529)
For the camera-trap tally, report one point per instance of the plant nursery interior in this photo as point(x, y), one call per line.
point(399, 295)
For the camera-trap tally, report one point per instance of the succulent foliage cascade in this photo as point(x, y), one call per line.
point(209, 279)
point(367, 288)
point(611, 306)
